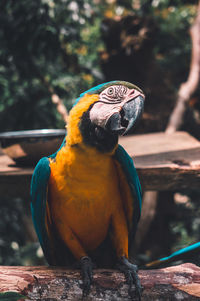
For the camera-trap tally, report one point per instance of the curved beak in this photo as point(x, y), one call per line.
point(127, 117)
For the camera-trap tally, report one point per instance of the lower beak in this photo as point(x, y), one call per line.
point(123, 121)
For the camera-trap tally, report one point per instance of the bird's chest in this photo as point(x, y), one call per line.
point(88, 190)
point(84, 198)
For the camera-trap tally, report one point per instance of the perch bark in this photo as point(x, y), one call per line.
point(180, 282)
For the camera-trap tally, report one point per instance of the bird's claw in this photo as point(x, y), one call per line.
point(87, 274)
point(132, 279)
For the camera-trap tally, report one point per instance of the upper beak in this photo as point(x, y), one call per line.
point(127, 117)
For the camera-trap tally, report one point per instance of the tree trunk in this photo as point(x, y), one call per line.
point(189, 87)
point(177, 116)
point(52, 283)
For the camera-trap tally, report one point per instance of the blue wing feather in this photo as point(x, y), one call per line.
point(39, 184)
point(128, 167)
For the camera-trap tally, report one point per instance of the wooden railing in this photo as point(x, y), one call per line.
point(163, 162)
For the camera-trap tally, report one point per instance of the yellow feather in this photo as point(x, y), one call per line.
point(73, 132)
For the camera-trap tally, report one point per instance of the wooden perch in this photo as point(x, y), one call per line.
point(163, 162)
point(180, 282)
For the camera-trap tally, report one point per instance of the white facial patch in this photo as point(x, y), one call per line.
point(101, 112)
point(115, 93)
point(111, 100)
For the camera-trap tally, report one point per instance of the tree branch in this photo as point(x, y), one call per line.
point(188, 88)
point(54, 97)
point(52, 283)
point(177, 116)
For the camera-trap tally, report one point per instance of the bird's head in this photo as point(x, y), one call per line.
point(107, 111)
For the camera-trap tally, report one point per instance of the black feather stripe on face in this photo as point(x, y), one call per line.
point(94, 135)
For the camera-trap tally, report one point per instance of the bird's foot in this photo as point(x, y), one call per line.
point(130, 272)
point(86, 266)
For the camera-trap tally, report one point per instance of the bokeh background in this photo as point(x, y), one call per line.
point(65, 47)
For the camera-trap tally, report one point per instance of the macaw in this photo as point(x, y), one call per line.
point(86, 198)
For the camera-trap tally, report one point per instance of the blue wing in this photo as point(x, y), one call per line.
point(39, 186)
point(129, 170)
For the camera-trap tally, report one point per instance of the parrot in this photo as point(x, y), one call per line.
point(86, 198)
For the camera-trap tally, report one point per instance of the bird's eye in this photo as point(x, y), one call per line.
point(110, 91)
point(111, 94)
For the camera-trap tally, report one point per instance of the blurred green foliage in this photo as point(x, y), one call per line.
point(45, 42)
point(174, 45)
point(186, 225)
point(57, 43)
point(16, 241)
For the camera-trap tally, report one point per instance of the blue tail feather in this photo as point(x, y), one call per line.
point(176, 255)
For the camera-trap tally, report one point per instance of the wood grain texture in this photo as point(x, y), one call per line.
point(46, 283)
point(163, 162)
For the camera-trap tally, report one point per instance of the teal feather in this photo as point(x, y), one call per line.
point(176, 255)
point(128, 167)
point(38, 202)
point(39, 184)
point(187, 252)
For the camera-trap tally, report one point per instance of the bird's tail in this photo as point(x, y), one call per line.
point(175, 256)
